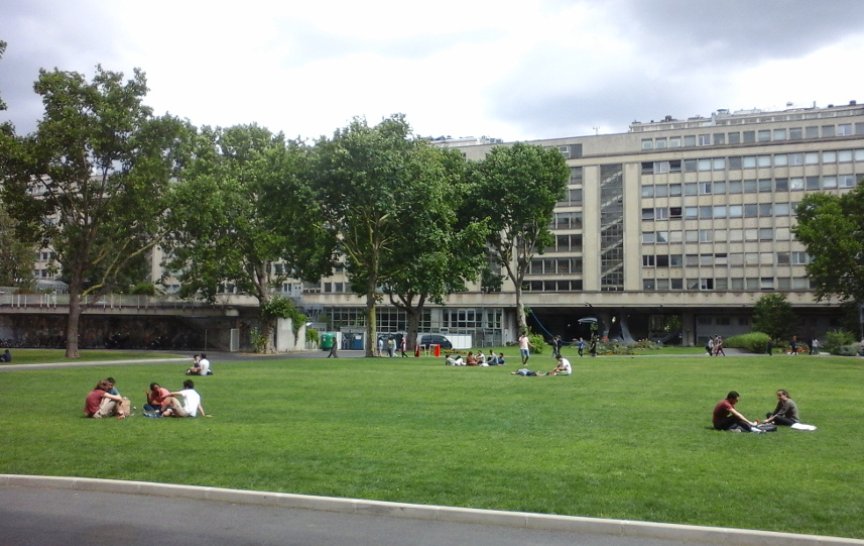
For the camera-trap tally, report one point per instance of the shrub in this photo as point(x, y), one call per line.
point(835, 340)
point(613, 347)
point(847, 350)
point(312, 335)
point(754, 342)
point(538, 343)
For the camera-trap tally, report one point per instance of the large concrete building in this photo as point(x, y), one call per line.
point(675, 218)
point(675, 222)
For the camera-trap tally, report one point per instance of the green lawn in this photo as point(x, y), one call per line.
point(37, 356)
point(625, 437)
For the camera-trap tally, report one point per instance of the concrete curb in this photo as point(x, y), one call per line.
point(523, 520)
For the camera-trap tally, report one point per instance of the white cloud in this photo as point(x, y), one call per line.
point(515, 70)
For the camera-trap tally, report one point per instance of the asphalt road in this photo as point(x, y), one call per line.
point(64, 517)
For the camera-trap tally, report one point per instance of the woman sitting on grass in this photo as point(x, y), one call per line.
point(101, 403)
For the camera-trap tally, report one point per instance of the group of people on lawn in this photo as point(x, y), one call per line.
point(727, 417)
point(471, 359)
point(106, 401)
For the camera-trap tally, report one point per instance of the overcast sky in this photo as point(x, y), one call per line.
point(516, 70)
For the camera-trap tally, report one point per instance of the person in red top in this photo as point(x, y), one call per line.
point(726, 417)
point(155, 399)
point(101, 403)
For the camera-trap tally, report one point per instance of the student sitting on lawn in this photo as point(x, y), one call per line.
point(726, 417)
point(183, 403)
point(156, 397)
point(562, 368)
point(101, 403)
point(454, 360)
point(200, 366)
point(786, 412)
point(470, 359)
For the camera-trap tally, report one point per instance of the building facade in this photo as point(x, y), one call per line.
point(675, 218)
point(681, 223)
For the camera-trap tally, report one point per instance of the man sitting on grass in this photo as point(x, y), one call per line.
point(563, 367)
point(183, 403)
point(156, 397)
point(726, 417)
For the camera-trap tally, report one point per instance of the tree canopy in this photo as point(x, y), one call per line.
point(773, 315)
point(832, 229)
point(366, 182)
point(90, 181)
point(243, 213)
point(518, 187)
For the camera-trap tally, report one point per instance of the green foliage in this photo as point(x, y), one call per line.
point(639, 426)
point(614, 347)
point(830, 226)
point(312, 335)
point(100, 164)
point(517, 187)
point(260, 339)
point(143, 289)
point(243, 212)
point(284, 308)
point(538, 344)
point(774, 315)
point(836, 340)
point(847, 350)
point(16, 254)
point(754, 342)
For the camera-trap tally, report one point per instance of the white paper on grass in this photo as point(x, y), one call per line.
point(802, 426)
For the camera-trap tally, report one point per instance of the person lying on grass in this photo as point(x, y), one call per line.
point(183, 403)
point(524, 372)
point(101, 403)
point(726, 417)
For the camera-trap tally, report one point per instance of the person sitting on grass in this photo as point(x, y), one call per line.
point(470, 359)
point(156, 396)
point(786, 412)
point(454, 360)
point(6, 356)
point(101, 403)
point(726, 417)
point(200, 366)
point(183, 403)
point(500, 359)
point(562, 368)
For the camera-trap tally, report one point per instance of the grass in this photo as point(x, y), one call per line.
point(39, 356)
point(625, 437)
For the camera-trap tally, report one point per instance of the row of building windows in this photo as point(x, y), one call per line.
point(470, 319)
point(716, 235)
point(555, 266)
point(751, 210)
point(762, 185)
point(722, 138)
point(735, 163)
point(723, 258)
point(724, 284)
point(559, 285)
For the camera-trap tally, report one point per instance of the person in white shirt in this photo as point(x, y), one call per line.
point(183, 403)
point(200, 366)
point(563, 367)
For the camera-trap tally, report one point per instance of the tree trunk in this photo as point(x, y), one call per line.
point(520, 311)
point(72, 320)
point(413, 326)
point(371, 324)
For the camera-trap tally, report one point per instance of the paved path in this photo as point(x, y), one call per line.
point(43, 511)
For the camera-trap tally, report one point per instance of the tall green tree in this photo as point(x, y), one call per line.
point(245, 214)
point(832, 229)
point(91, 180)
point(774, 315)
point(440, 246)
point(519, 185)
point(365, 181)
point(16, 250)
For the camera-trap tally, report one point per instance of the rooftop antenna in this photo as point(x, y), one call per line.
point(596, 130)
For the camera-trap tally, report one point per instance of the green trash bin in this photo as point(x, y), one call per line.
point(327, 341)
